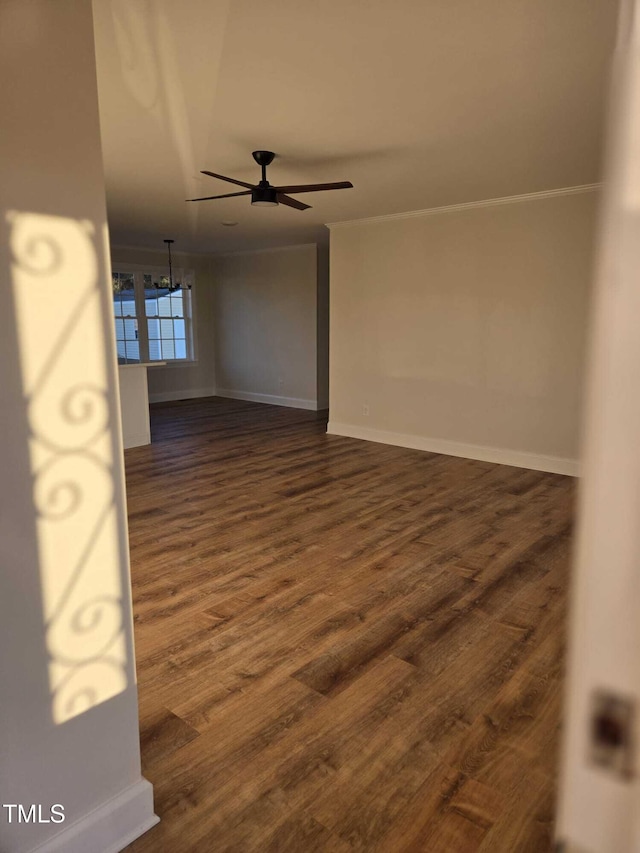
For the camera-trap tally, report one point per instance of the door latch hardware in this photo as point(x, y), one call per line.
point(611, 735)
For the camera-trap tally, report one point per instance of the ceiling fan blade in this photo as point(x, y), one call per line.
point(292, 202)
point(231, 180)
point(228, 195)
point(313, 188)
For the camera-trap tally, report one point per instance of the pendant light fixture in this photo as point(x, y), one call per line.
point(172, 287)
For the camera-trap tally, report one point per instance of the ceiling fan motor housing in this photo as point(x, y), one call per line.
point(264, 196)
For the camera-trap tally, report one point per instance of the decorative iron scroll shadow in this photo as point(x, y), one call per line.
point(60, 319)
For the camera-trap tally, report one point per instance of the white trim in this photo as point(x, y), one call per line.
point(185, 394)
point(174, 252)
point(154, 269)
point(110, 827)
point(210, 254)
point(469, 205)
point(270, 399)
point(175, 363)
point(502, 456)
point(268, 250)
point(142, 364)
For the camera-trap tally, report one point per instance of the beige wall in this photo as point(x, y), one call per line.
point(464, 331)
point(195, 380)
point(265, 325)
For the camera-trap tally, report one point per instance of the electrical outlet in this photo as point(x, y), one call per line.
point(365, 409)
point(280, 381)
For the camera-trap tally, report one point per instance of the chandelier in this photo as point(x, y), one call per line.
point(173, 286)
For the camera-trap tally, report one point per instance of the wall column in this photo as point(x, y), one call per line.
point(70, 776)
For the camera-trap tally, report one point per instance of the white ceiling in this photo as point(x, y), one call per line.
point(420, 103)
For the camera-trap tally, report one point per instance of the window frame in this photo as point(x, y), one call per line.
point(185, 276)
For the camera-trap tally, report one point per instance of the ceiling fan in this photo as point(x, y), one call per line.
point(264, 195)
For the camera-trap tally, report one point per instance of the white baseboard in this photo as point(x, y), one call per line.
point(272, 400)
point(533, 461)
point(110, 827)
point(187, 394)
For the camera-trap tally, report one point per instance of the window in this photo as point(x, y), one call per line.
point(153, 323)
point(124, 306)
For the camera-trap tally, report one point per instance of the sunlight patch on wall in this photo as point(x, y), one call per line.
point(61, 330)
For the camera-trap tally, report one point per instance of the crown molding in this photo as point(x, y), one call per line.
point(119, 247)
point(469, 205)
point(115, 248)
point(269, 250)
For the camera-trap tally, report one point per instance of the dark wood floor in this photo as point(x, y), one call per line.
point(342, 645)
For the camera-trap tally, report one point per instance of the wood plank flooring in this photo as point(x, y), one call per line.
point(342, 645)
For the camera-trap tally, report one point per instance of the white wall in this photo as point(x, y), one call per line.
point(463, 331)
point(600, 799)
point(134, 405)
point(194, 380)
point(265, 325)
point(68, 698)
